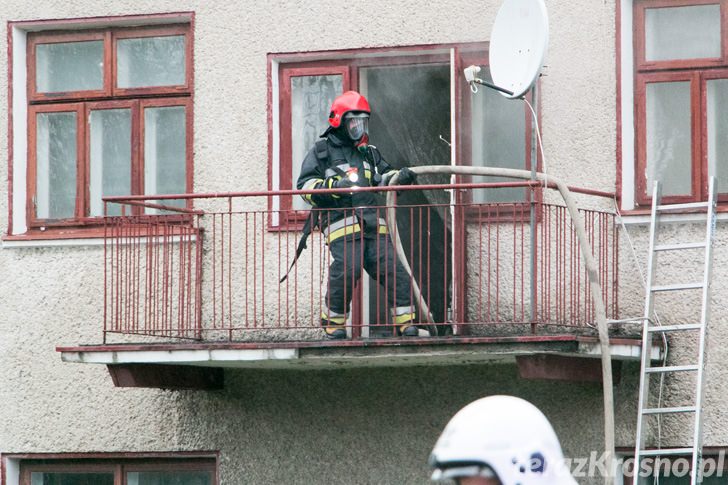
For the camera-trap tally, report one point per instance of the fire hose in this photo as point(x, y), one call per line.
point(587, 254)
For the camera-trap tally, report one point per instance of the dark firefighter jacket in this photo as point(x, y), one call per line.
point(331, 159)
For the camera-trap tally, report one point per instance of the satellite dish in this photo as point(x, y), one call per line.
point(518, 45)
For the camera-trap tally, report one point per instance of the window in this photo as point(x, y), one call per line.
point(119, 471)
point(109, 113)
point(412, 93)
point(680, 94)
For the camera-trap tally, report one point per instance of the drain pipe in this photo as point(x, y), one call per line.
point(589, 261)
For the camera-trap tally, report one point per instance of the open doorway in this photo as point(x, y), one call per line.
point(410, 113)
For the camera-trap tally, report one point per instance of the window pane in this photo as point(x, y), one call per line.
point(165, 142)
point(498, 131)
point(76, 478)
point(110, 162)
point(169, 478)
point(682, 32)
point(718, 132)
point(56, 165)
point(69, 66)
point(669, 137)
point(311, 98)
point(151, 61)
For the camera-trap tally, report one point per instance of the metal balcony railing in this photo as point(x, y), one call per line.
point(213, 273)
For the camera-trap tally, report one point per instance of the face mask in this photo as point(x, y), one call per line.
point(357, 126)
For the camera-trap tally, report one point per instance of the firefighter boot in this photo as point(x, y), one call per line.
point(333, 331)
point(404, 320)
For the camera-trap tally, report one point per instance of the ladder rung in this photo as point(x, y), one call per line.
point(683, 286)
point(688, 205)
point(680, 409)
point(675, 247)
point(672, 368)
point(666, 451)
point(674, 328)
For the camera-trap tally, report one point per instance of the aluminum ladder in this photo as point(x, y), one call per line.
point(650, 329)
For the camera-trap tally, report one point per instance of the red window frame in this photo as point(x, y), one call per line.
point(287, 72)
point(349, 63)
point(110, 37)
point(118, 465)
point(38, 38)
point(695, 71)
point(33, 220)
point(82, 110)
point(142, 32)
point(109, 97)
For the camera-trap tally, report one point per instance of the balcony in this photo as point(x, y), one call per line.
point(203, 286)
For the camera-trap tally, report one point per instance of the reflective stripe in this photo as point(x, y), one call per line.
point(334, 320)
point(309, 185)
point(347, 221)
point(328, 186)
point(330, 172)
point(350, 225)
point(383, 228)
point(407, 317)
point(368, 174)
point(401, 310)
point(344, 231)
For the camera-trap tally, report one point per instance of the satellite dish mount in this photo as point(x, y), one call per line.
point(518, 44)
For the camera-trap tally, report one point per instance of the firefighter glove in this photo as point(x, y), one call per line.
point(342, 183)
point(406, 176)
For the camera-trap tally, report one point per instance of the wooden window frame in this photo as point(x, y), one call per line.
point(296, 219)
point(110, 37)
point(38, 38)
point(83, 110)
point(186, 102)
point(31, 192)
point(695, 71)
point(642, 64)
point(109, 97)
point(310, 64)
point(644, 194)
point(120, 465)
point(156, 31)
point(714, 74)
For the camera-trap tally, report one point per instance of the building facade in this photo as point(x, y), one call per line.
point(207, 368)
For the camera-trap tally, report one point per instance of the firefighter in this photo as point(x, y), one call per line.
point(354, 229)
point(499, 440)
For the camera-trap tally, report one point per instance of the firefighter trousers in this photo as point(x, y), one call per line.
point(376, 255)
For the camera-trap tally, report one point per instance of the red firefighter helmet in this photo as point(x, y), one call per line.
point(349, 101)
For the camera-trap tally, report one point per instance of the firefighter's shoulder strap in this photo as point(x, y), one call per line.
point(322, 155)
point(322, 150)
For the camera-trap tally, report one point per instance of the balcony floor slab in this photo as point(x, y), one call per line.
point(386, 352)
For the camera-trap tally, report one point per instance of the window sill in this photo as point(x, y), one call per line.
point(90, 236)
point(642, 216)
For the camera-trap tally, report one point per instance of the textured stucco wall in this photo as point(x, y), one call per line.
point(353, 426)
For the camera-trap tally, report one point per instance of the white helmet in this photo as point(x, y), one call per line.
point(504, 437)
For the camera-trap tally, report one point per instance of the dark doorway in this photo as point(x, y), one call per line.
point(410, 112)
